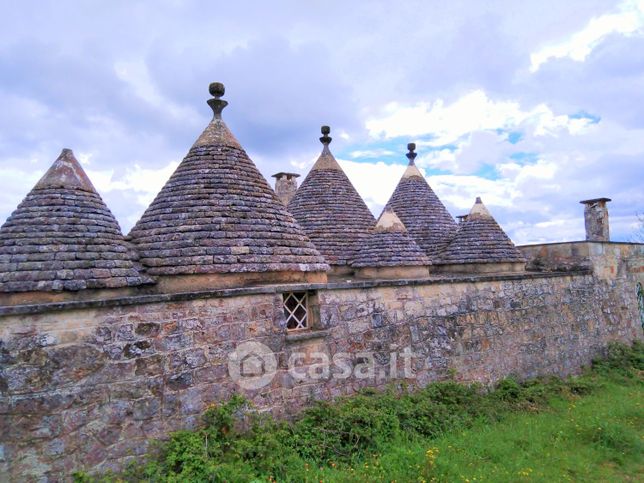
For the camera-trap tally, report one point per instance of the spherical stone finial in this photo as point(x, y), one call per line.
point(217, 89)
point(325, 139)
point(411, 155)
point(217, 104)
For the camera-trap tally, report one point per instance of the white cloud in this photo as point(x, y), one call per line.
point(474, 111)
point(628, 20)
point(372, 153)
point(374, 181)
point(146, 183)
point(471, 112)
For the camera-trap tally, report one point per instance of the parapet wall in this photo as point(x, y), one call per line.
point(606, 259)
point(87, 385)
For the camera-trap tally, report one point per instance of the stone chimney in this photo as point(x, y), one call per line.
point(285, 186)
point(596, 219)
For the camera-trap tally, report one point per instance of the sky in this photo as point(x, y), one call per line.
point(532, 105)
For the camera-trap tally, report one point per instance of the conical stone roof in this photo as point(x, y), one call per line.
point(217, 214)
point(480, 239)
point(389, 245)
point(63, 237)
point(330, 210)
point(423, 214)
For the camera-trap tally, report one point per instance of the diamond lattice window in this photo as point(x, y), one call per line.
point(296, 310)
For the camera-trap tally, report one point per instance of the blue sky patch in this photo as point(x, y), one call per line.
point(523, 158)
point(594, 119)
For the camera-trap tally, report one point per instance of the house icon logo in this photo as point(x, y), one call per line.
point(252, 365)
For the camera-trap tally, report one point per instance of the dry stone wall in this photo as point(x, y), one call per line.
point(88, 388)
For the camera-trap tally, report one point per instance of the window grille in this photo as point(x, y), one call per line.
point(296, 310)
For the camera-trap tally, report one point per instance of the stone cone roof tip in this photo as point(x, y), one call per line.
point(480, 239)
point(63, 237)
point(218, 214)
point(479, 210)
point(217, 131)
point(389, 221)
point(66, 172)
point(389, 245)
point(421, 211)
point(329, 208)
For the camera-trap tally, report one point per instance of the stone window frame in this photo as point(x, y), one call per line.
point(291, 303)
point(312, 312)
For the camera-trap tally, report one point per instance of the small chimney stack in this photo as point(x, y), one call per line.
point(285, 186)
point(596, 219)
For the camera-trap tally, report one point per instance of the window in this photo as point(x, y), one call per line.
point(296, 310)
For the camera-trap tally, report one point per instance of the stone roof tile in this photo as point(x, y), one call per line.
point(480, 239)
point(425, 217)
point(217, 214)
point(63, 237)
point(389, 245)
point(330, 210)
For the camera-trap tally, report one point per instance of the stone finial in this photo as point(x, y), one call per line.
point(285, 186)
point(217, 90)
point(325, 139)
point(411, 155)
point(596, 219)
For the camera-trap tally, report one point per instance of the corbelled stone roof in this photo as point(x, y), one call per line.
point(424, 216)
point(480, 239)
point(330, 210)
point(63, 237)
point(217, 214)
point(389, 245)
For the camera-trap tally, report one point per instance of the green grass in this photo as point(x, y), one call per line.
point(587, 428)
point(591, 438)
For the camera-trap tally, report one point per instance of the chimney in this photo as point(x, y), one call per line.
point(285, 186)
point(461, 218)
point(596, 219)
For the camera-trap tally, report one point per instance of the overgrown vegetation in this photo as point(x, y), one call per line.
point(582, 428)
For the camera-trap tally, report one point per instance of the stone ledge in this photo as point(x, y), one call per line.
point(273, 289)
point(581, 242)
point(303, 335)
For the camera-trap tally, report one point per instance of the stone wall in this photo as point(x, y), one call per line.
point(608, 260)
point(87, 387)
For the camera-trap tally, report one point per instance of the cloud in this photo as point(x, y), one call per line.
point(628, 20)
point(475, 111)
point(372, 153)
point(532, 144)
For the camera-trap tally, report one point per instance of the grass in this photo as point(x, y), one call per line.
point(587, 428)
point(597, 437)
